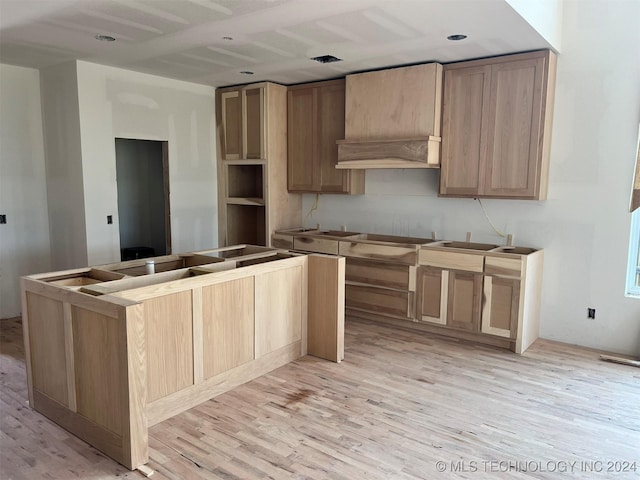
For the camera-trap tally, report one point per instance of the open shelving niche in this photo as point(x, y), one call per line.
point(245, 202)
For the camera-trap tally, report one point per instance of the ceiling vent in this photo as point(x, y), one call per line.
point(326, 59)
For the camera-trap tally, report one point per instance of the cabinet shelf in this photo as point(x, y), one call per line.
point(245, 201)
point(244, 162)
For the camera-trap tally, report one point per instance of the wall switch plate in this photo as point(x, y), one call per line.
point(591, 313)
point(109, 219)
point(3, 219)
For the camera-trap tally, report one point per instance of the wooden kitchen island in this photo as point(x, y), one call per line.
point(113, 350)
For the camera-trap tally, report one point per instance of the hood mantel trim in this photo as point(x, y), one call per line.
point(420, 152)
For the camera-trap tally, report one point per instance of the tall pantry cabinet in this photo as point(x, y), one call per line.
point(252, 164)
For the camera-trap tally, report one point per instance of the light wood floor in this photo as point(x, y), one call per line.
point(397, 405)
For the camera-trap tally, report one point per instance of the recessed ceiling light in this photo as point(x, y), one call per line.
point(227, 38)
point(105, 38)
point(326, 59)
point(246, 72)
point(457, 36)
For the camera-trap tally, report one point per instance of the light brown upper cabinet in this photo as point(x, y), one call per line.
point(496, 126)
point(315, 123)
point(243, 123)
point(392, 118)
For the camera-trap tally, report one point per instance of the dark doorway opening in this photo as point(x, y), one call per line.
point(142, 173)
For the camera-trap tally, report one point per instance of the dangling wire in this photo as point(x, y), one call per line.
point(312, 209)
point(489, 220)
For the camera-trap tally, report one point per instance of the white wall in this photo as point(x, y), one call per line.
point(124, 104)
point(584, 225)
point(24, 240)
point(545, 16)
point(64, 166)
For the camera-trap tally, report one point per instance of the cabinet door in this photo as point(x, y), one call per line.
point(464, 300)
point(465, 108)
point(501, 303)
point(514, 129)
point(330, 118)
point(231, 103)
point(254, 123)
point(432, 288)
point(303, 174)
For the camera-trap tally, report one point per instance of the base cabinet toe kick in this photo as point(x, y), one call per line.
point(478, 292)
point(112, 350)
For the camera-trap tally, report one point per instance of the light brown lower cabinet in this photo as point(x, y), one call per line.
point(492, 297)
point(468, 301)
point(473, 291)
point(449, 297)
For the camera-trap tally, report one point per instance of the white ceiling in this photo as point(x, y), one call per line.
point(183, 39)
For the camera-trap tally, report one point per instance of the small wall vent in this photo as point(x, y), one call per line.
point(326, 59)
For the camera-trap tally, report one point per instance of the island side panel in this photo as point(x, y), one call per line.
point(326, 307)
point(228, 325)
point(87, 338)
point(169, 340)
point(47, 347)
point(136, 438)
point(278, 300)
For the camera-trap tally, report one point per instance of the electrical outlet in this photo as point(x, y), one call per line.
point(591, 313)
point(109, 219)
point(3, 219)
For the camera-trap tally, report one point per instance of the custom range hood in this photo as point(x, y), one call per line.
point(392, 119)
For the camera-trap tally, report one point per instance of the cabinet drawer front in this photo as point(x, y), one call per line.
point(379, 300)
point(317, 245)
point(404, 255)
point(452, 260)
point(377, 273)
point(280, 240)
point(511, 267)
